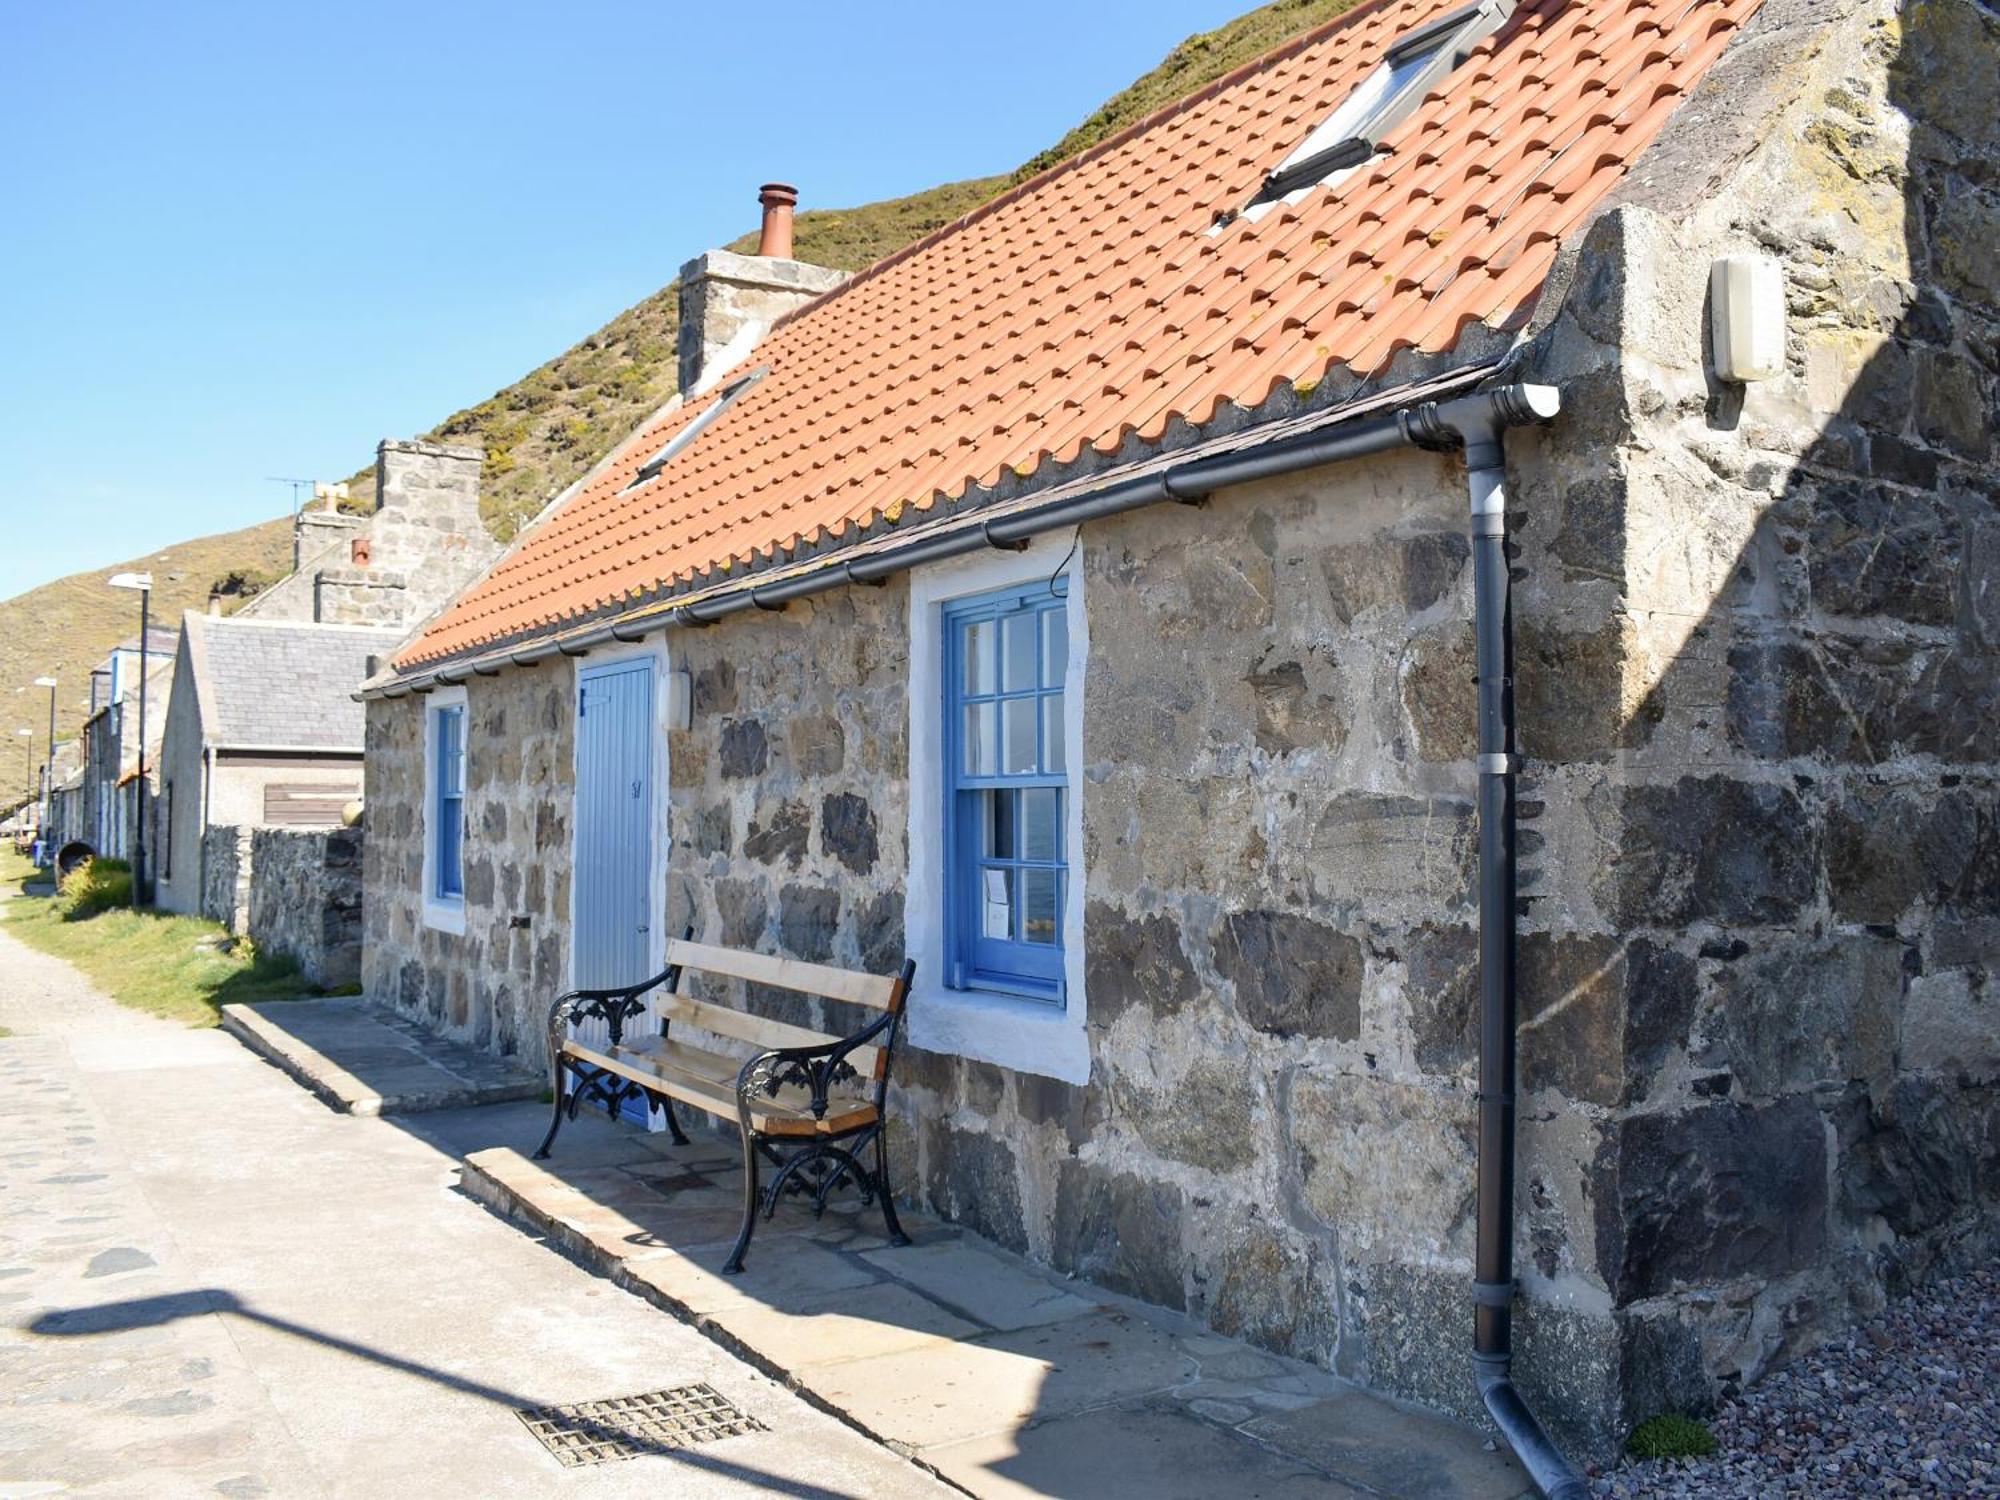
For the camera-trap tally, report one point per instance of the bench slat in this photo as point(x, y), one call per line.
point(787, 974)
point(759, 1031)
point(789, 1114)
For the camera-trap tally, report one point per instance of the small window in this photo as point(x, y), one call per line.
point(1007, 790)
point(163, 830)
point(448, 783)
point(1387, 96)
point(650, 469)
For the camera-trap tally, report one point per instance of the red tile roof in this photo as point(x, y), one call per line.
point(1095, 301)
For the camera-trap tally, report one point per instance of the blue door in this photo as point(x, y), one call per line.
point(612, 900)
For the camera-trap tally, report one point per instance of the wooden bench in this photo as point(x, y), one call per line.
point(782, 1095)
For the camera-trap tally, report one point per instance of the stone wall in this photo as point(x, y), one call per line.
point(361, 596)
point(492, 984)
point(1760, 679)
point(225, 876)
point(305, 899)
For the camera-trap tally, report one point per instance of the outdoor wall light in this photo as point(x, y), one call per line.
point(1746, 317)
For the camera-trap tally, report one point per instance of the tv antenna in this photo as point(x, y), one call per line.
point(299, 486)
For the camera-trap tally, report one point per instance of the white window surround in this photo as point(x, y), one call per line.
point(1010, 1031)
point(443, 913)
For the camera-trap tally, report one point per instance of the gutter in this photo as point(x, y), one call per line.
point(1189, 482)
point(1477, 421)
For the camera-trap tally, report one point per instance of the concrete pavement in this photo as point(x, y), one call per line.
point(210, 1284)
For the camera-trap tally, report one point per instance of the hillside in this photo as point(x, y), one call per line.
point(546, 429)
point(65, 628)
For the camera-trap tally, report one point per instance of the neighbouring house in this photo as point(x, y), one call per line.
point(263, 731)
point(1088, 601)
point(262, 753)
point(395, 565)
point(102, 809)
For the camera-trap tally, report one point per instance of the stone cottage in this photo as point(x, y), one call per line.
point(264, 731)
point(1084, 602)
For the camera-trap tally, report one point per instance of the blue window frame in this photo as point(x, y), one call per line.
point(448, 783)
point(1007, 790)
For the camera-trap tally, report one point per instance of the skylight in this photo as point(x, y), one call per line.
point(1387, 96)
point(650, 469)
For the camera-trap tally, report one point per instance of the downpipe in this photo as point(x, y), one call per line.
point(1480, 424)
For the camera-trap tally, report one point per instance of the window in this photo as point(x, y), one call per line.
point(1007, 790)
point(444, 810)
point(163, 830)
point(1387, 96)
point(650, 469)
point(448, 778)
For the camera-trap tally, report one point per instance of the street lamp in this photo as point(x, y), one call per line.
point(143, 582)
point(49, 769)
point(29, 735)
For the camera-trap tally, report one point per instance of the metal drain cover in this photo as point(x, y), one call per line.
point(601, 1432)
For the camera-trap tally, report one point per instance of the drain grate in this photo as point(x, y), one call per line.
point(602, 1432)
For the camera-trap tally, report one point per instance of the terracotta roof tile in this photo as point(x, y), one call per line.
point(1100, 300)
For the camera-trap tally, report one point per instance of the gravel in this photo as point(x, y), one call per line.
point(1908, 1405)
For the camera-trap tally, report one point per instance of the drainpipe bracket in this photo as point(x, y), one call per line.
point(1498, 764)
point(1493, 1294)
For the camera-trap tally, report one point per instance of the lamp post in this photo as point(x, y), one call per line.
point(29, 736)
point(143, 582)
point(49, 769)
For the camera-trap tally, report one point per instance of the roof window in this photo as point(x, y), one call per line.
point(1386, 97)
point(650, 469)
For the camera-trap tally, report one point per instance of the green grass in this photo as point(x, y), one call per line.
point(16, 870)
point(179, 968)
point(1671, 1435)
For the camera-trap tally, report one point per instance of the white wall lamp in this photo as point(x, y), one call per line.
point(1746, 317)
point(680, 700)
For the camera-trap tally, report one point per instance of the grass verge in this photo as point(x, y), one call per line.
point(179, 968)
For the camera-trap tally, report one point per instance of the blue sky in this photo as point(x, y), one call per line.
point(249, 240)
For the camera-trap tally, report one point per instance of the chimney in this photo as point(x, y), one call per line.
point(730, 301)
point(214, 602)
point(779, 199)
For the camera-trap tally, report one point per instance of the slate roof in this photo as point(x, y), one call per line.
point(285, 685)
point(1098, 301)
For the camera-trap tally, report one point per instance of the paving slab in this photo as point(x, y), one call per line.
point(1395, 1451)
point(962, 1274)
point(363, 1059)
point(1157, 1452)
point(995, 1374)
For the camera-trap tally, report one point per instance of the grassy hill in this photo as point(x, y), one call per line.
point(547, 428)
point(65, 628)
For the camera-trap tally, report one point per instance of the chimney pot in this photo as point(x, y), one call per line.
point(214, 602)
point(779, 199)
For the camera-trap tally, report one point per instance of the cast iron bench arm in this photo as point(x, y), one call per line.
point(614, 1007)
point(816, 1068)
